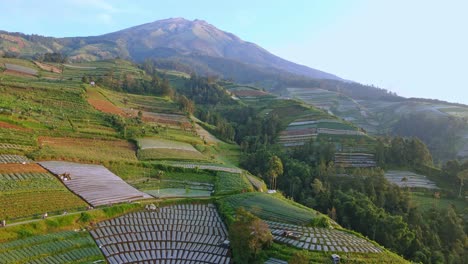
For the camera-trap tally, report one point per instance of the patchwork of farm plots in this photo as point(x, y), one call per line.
point(320, 239)
point(63, 247)
point(174, 234)
point(47, 106)
point(303, 130)
point(85, 149)
point(355, 160)
point(248, 93)
point(171, 120)
point(337, 104)
point(409, 179)
point(170, 183)
point(271, 207)
point(94, 183)
point(24, 188)
point(156, 148)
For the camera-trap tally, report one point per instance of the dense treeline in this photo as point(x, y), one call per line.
point(130, 84)
point(440, 134)
point(402, 152)
point(363, 200)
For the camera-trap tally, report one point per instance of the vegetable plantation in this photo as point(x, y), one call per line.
point(63, 247)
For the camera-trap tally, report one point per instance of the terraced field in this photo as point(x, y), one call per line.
point(156, 148)
point(5, 158)
point(320, 239)
point(205, 167)
point(229, 183)
point(271, 207)
point(94, 183)
point(63, 247)
point(337, 104)
point(171, 120)
point(99, 102)
point(355, 160)
point(24, 188)
point(174, 234)
point(85, 149)
point(306, 128)
point(407, 179)
point(17, 69)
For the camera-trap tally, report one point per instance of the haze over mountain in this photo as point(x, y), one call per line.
point(196, 43)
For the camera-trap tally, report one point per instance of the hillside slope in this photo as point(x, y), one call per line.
point(174, 38)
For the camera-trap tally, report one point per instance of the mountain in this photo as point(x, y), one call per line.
point(198, 44)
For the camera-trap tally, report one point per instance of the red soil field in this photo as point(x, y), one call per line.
point(245, 93)
point(16, 73)
point(11, 126)
point(105, 106)
point(18, 168)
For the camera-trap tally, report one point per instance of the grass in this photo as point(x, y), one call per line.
point(426, 202)
point(270, 207)
point(68, 246)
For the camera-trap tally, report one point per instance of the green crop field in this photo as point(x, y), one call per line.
point(63, 247)
point(229, 183)
point(22, 194)
point(271, 207)
point(156, 148)
point(84, 149)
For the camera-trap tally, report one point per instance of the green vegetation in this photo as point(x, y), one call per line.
point(64, 222)
point(68, 246)
point(230, 183)
point(269, 207)
point(23, 195)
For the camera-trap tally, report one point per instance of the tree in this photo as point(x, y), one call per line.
point(248, 235)
point(275, 166)
point(317, 186)
point(462, 176)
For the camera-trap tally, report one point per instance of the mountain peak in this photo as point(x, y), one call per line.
point(180, 38)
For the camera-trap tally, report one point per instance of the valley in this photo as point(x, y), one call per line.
point(176, 142)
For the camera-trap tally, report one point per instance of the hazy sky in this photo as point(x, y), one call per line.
point(413, 47)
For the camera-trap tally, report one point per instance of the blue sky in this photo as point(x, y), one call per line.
point(415, 48)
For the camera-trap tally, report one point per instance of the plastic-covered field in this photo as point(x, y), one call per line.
point(320, 239)
point(94, 183)
point(187, 233)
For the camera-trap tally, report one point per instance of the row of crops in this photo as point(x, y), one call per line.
point(187, 233)
point(271, 207)
point(157, 148)
point(5, 158)
point(407, 179)
point(320, 239)
point(229, 183)
point(62, 247)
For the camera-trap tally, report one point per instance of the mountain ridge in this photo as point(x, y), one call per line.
point(168, 38)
